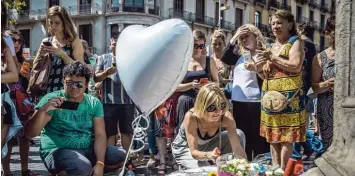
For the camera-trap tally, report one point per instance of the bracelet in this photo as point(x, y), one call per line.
point(100, 162)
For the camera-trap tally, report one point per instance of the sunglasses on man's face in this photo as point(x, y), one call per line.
point(17, 40)
point(77, 84)
point(201, 46)
point(213, 108)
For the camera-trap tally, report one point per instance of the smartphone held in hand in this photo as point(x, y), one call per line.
point(69, 105)
point(247, 57)
point(47, 43)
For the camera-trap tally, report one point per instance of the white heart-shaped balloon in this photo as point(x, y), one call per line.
point(152, 61)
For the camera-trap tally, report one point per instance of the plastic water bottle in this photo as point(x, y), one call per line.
point(261, 171)
point(130, 171)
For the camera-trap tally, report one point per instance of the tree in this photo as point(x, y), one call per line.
point(14, 4)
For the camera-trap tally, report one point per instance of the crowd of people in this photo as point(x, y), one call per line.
point(246, 96)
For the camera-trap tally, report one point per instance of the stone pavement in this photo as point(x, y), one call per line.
point(36, 165)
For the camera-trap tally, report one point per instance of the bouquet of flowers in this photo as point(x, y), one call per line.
point(228, 165)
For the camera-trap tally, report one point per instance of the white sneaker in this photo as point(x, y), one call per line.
point(151, 163)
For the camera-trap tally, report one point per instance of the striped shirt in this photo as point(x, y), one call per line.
point(112, 88)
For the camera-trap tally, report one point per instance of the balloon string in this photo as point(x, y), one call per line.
point(139, 134)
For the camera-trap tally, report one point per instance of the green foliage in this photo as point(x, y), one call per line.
point(16, 4)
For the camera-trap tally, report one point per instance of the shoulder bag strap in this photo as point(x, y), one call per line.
point(220, 134)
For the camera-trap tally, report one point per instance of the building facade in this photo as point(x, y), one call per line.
point(97, 20)
point(313, 12)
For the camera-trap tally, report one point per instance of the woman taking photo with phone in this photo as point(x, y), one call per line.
point(246, 96)
point(201, 70)
point(64, 46)
point(201, 137)
point(283, 114)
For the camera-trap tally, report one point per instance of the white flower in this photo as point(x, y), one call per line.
point(241, 167)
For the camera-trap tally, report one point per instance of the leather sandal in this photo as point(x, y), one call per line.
point(162, 169)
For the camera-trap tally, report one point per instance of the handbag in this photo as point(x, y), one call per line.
point(228, 90)
point(39, 76)
point(275, 101)
point(23, 103)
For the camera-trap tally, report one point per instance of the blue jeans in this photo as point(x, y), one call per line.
point(151, 135)
point(80, 162)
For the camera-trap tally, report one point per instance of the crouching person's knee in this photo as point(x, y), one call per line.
point(114, 158)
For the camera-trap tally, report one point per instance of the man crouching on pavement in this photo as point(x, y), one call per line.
point(73, 142)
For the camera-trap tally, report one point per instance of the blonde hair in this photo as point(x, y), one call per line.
point(68, 27)
point(218, 34)
point(208, 95)
point(261, 44)
point(199, 35)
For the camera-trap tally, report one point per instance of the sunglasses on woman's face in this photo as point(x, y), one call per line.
point(77, 84)
point(17, 40)
point(201, 46)
point(213, 108)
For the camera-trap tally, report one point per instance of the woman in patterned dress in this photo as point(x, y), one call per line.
point(323, 75)
point(282, 73)
point(66, 46)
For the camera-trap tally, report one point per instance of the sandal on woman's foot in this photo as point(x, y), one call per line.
point(162, 169)
point(29, 173)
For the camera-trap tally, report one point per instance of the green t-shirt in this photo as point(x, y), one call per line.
point(71, 129)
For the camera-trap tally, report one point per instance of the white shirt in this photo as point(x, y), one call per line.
point(245, 84)
point(9, 43)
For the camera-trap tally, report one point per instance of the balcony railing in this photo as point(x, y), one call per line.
point(42, 13)
point(114, 7)
point(204, 19)
point(188, 16)
point(286, 7)
point(135, 7)
point(302, 1)
point(227, 25)
point(262, 2)
point(83, 9)
point(262, 27)
point(274, 4)
point(153, 9)
point(25, 15)
point(180, 14)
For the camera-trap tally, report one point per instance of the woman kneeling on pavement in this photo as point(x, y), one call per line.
point(198, 139)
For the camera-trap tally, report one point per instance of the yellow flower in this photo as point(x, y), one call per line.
point(213, 173)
